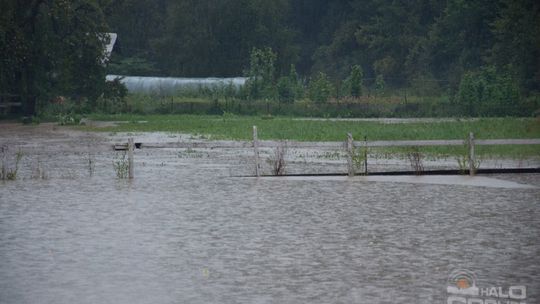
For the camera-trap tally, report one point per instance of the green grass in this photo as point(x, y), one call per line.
point(240, 128)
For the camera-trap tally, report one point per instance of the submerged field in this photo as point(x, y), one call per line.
point(188, 226)
point(282, 128)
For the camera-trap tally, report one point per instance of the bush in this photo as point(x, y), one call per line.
point(60, 108)
point(68, 119)
point(489, 93)
point(114, 97)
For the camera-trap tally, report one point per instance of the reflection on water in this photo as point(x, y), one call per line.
point(185, 232)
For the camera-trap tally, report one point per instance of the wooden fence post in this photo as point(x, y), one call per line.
point(256, 150)
point(131, 146)
point(365, 155)
point(4, 162)
point(472, 159)
point(350, 153)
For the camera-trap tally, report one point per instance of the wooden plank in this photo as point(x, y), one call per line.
point(304, 144)
point(120, 147)
point(199, 145)
point(487, 142)
point(409, 143)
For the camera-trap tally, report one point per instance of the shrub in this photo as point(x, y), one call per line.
point(114, 97)
point(489, 92)
point(68, 119)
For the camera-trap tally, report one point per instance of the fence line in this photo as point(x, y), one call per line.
point(348, 145)
point(221, 144)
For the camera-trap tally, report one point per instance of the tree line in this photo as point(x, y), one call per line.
point(434, 42)
point(431, 47)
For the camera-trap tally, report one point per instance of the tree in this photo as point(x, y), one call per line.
point(517, 41)
point(206, 38)
point(289, 88)
point(320, 88)
point(355, 81)
point(138, 23)
point(261, 74)
point(489, 92)
point(460, 39)
point(52, 48)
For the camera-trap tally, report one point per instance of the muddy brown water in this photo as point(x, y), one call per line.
point(185, 231)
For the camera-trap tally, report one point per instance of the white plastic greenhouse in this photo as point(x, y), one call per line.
point(171, 85)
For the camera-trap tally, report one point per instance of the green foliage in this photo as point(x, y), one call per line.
point(121, 166)
point(380, 84)
point(55, 48)
point(359, 159)
point(261, 74)
point(215, 37)
point(355, 81)
point(289, 88)
point(68, 119)
point(516, 44)
point(320, 88)
point(463, 160)
point(425, 85)
point(64, 110)
point(6, 172)
point(285, 90)
point(131, 66)
point(52, 48)
point(114, 97)
point(489, 92)
point(283, 128)
point(115, 89)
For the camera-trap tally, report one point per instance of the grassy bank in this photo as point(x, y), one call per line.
point(239, 128)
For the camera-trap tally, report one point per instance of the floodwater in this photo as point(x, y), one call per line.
point(185, 230)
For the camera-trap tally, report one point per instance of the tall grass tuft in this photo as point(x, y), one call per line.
point(278, 161)
point(7, 172)
point(121, 166)
point(416, 160)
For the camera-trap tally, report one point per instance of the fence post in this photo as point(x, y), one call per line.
point(4, 162)
point(256, 150)
point(365, 155)
point(472, 160)
point(130, 157)
point(350, 153)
